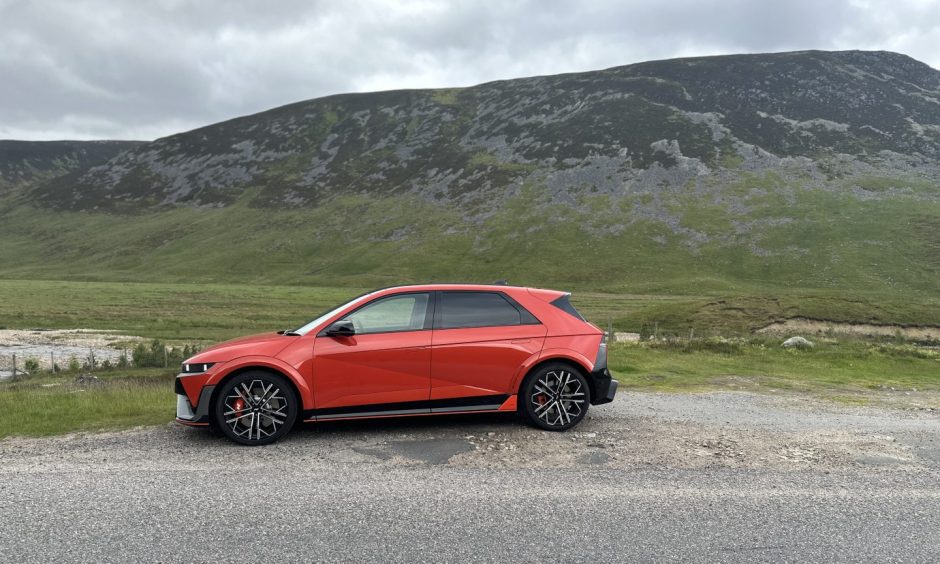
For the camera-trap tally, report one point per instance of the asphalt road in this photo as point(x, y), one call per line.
point(714, 477)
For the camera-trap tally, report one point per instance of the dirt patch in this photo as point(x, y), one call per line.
point(44, 345)
point(801, 325)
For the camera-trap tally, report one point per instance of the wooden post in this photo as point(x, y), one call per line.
point(91, 355)
point(14, 366)
point(691, 333)
point(166, 358)
point(52, 362)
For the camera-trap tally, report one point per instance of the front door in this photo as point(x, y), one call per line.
point(385, 368)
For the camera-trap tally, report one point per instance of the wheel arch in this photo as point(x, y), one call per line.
point(571, 358)
point(249, 367)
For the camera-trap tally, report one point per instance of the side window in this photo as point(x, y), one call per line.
point(477, 309)
point(404, 312)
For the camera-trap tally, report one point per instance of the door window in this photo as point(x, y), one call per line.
point(477, 309)
point(404, 312)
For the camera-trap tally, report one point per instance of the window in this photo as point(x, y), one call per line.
point(404, 312)
point(478, 309)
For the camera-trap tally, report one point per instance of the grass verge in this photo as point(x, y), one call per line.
point(55, 405)
point(853, 371)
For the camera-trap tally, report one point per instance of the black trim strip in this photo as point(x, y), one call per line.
point(448, 405)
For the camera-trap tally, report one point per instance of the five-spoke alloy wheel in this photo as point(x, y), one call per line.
point(255, 408)
point(554, 397)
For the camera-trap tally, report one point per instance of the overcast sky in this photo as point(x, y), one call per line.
point(138, 69)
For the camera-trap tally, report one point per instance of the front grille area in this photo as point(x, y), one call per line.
point(178, 387)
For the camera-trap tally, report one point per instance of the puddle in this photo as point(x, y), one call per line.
point(595, 458)
point(432, 451)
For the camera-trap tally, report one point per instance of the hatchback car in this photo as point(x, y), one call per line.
point(407, 350)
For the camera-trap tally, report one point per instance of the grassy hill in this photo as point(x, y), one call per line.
point(759, 186)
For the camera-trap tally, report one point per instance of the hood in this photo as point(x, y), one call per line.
point(264, 344)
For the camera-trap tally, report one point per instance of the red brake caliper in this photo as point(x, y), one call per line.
point(239, 407)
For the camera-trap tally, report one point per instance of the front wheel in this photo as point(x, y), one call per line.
point(255, 408)
point(554, 397)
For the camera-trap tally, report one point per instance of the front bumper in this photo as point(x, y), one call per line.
point(603, 385)
point(189, 415)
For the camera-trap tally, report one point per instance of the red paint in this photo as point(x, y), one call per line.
point(407, 366)
point(510, 404)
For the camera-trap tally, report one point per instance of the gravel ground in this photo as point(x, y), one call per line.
point(691, 477)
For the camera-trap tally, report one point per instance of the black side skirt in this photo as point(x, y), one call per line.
point(454, 405)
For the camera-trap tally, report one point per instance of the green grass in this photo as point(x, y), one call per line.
point(836, 370)
point(213, 312)
point(53, 405)
point(175, 312)
point(807, 241)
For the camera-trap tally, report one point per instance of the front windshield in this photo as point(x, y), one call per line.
point(313, 324)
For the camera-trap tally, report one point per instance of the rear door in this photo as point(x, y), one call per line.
point(385, 366)
point(480, 340)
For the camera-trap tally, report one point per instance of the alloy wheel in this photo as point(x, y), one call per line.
point(255, 410)
point(558, 398)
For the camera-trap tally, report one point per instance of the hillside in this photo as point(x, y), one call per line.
point(25, 162)
point(747, 174)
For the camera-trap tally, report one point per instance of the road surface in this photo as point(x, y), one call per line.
point(731, 477)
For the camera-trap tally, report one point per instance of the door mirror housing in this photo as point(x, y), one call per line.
point(341, 328)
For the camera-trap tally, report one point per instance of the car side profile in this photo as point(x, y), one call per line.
point(405, 351)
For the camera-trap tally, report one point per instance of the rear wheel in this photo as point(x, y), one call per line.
point(554, 397)
point(255, 408)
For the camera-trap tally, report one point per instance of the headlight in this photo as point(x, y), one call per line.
point(197, 368)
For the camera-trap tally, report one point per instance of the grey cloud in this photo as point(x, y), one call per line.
point(116, 69)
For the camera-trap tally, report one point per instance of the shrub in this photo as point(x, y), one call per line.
point(158, 355)
point(74, 365)
point(31, 366)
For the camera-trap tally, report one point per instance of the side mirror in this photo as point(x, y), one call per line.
point(341, 328)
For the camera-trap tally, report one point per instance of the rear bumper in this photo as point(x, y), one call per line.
point(605, 387)
point(195, 416)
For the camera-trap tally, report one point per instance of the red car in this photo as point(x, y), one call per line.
point(408, 350)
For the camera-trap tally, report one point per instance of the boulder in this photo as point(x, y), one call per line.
point(797, 343)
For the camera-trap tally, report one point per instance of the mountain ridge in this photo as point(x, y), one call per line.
point(804, 170)
point(25, 162)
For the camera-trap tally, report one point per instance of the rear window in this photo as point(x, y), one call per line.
point(477, 309)
point(564, 305)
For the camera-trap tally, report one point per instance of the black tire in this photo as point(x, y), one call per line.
point(554, 397)
point(255, 408)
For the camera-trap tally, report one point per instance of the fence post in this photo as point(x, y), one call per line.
point(166, 358)
point(91, 354)
point(52, 362)
point(14, 366)
point(691, 333)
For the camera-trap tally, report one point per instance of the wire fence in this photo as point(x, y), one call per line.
point(26, 360)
